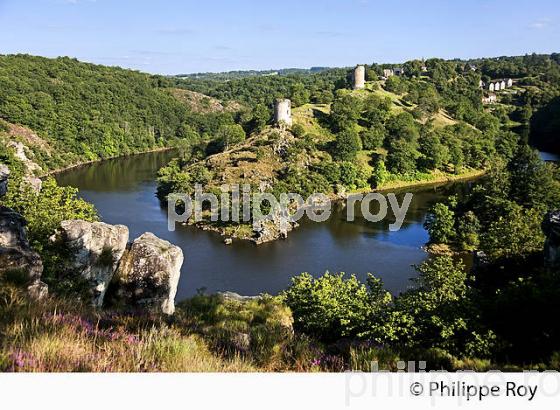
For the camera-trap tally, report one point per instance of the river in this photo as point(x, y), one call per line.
point(123, 191)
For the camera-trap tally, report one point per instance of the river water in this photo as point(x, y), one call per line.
point(123, 191)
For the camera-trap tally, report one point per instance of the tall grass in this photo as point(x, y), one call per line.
point(59, 336)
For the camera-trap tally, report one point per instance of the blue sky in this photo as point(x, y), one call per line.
point(171, 37)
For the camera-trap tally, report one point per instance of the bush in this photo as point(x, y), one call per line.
point(298, 130)
point(335, 306)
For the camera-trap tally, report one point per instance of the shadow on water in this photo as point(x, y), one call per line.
point(123, 190)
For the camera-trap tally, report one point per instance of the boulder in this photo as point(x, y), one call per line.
point(16, 254)
point(33, 182)
point(4, 174)
point(148, 274)
point(94, 251)
point(551, 229)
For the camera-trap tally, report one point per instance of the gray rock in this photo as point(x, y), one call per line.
point(241, 341)
point(38, 290)
point(34, 183)
point(19, 152)
point(237, 297)
point(551, 229)
point(4, 174)
point(15, 252)
point(95, 250)
point(148, 274)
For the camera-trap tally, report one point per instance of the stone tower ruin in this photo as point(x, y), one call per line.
point(283, 111)
point(359, 78)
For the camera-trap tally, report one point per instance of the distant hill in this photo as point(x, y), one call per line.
point(252, 73)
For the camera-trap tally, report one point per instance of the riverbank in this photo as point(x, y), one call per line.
point(438, 179)
point(81, 164)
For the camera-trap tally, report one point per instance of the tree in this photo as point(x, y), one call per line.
point(515, 235)
point(345, 111)
point(45, 210)
point(348, 174)
point(434, 155)
point(468, 228)
point(440, 224)
point(439, 311)
point(380, 173)
point(534, 185)
point(401, 158)
point(229, 135)
point(347, 145)
point(373, 137)
point(299, 95)
point(395, 85)
point(260, 117)
point(402, 126)
point(377, 109)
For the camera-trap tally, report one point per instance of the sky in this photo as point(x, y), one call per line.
point(172, 36)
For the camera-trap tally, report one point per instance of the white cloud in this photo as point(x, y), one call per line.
point(540, 24)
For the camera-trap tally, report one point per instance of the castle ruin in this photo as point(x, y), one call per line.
point(359, 78)
point(283, 111)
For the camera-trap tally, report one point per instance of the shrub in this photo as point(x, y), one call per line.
point(335, 306)
point(298, 130)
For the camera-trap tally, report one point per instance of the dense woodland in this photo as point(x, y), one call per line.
point(428, 123)
point(89, 112)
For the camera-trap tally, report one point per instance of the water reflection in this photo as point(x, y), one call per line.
point(123, 192)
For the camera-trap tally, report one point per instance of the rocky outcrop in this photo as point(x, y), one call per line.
point(4, 174)
point(95, 249)
point(272, 229)
point(19, 152)
point(17, 255)
point(148, 274)
point(551, 229)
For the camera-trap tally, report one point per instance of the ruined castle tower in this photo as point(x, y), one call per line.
point(283, 111)
point(359, 78)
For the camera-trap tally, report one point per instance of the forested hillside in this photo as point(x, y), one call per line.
point(84, 111)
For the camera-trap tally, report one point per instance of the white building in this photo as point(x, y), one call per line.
point(388, 72)
point(491, 99)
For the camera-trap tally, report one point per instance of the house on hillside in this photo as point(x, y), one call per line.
point(398, 71)
point(491, 87)
point(509, 82)
point(490, 99)
point(388, 72)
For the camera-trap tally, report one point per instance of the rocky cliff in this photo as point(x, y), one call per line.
point(16, 256)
